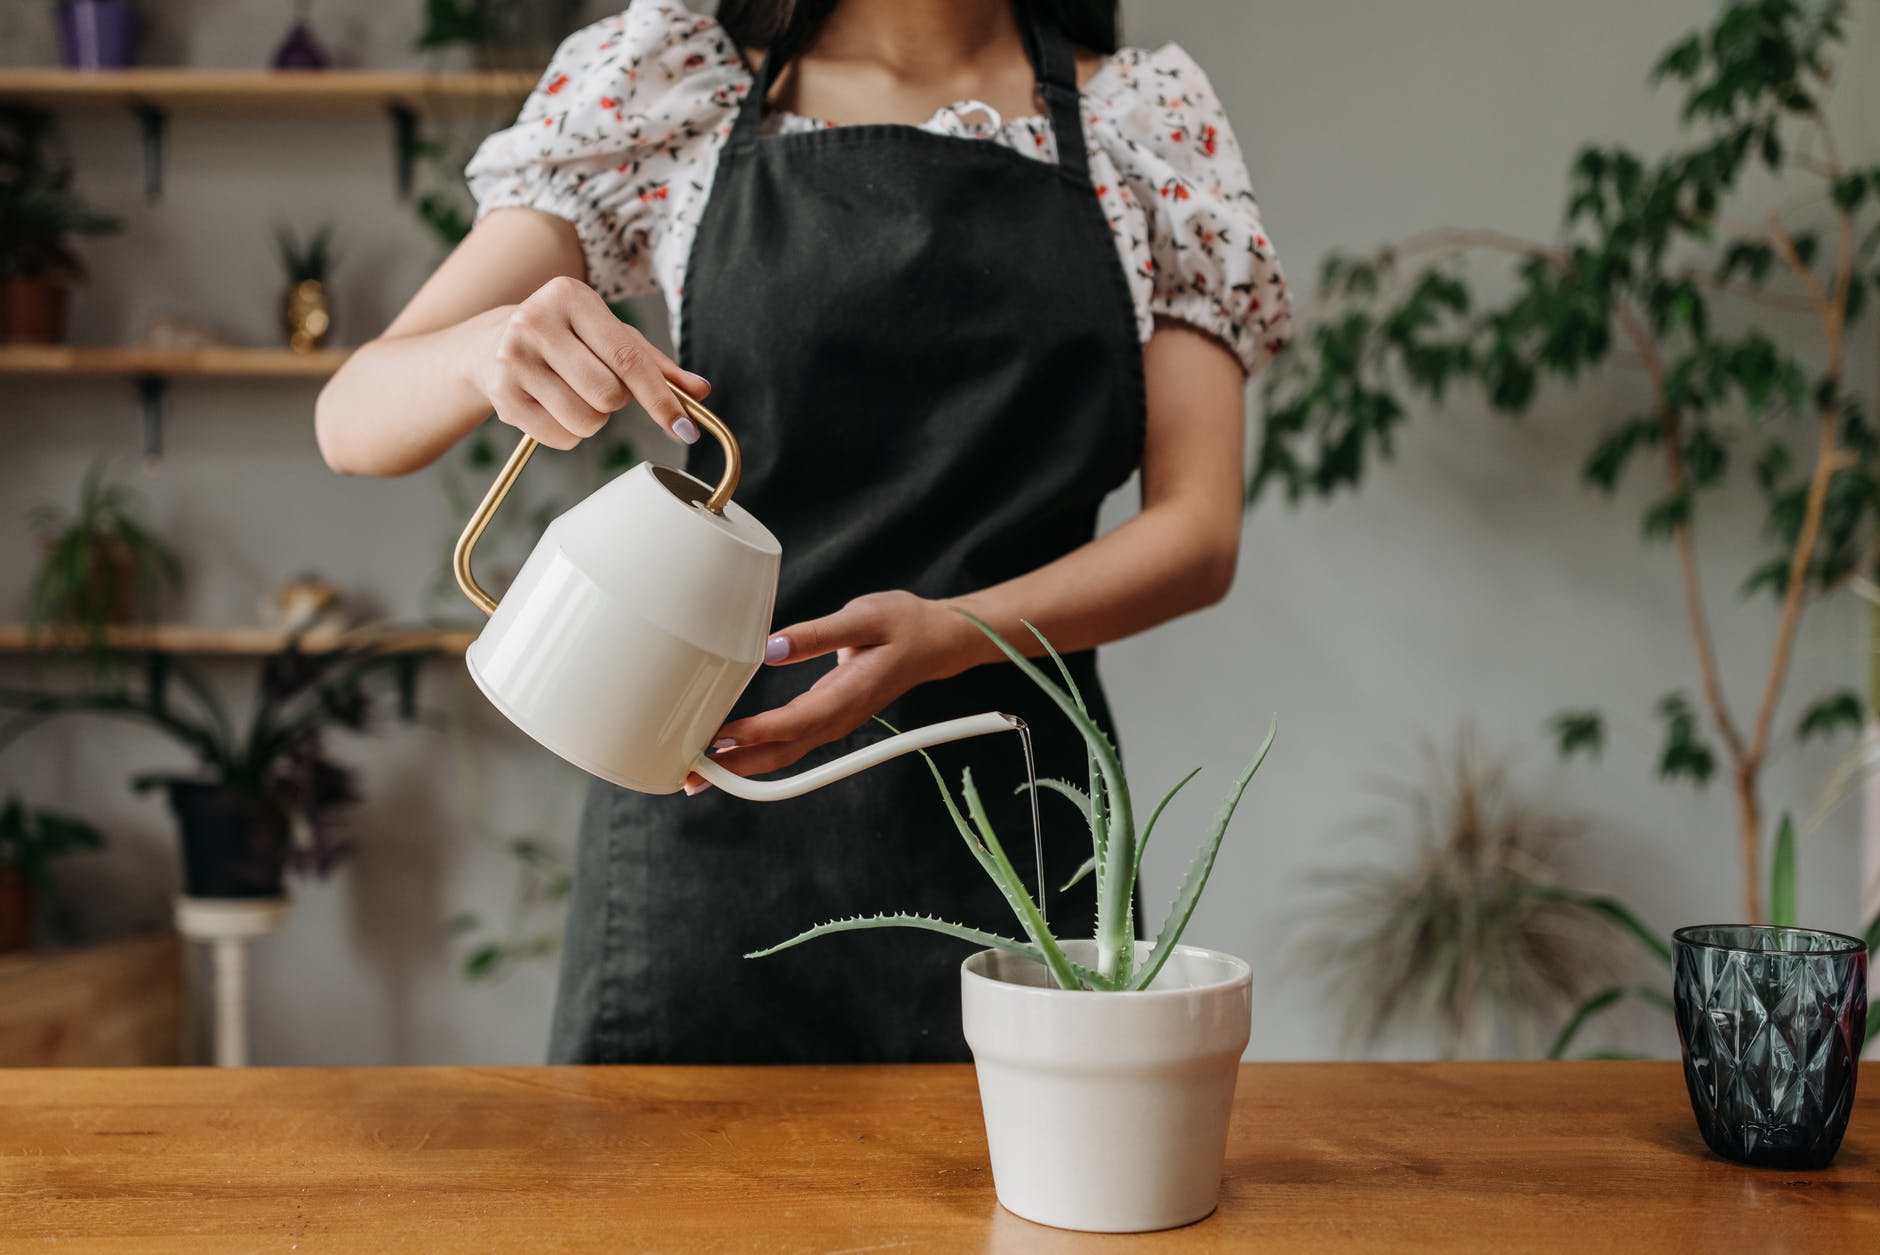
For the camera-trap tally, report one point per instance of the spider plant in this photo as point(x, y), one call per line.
point(1115, 859)
point(101, 564)
point(1469, 929)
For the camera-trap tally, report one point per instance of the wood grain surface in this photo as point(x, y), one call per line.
point(111, 1005)
point(1343, 1157)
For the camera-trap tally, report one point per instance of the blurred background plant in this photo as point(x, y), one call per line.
point(100, 565)
point(1459, 927)
point(266, 796)
point(31, 840)
point(1738, 332)
point(39, 215)
point(531, 927)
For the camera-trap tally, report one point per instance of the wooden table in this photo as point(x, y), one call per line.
point(1325, 1158)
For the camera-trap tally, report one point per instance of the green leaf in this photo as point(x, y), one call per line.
point(1014, 886)
point(1772, 576)
point(1782, 877)
point(1149, 828)
point(1613, 910)
point(1849, 192)
point(1198, 871)
point(1685, 752)
point(483, 962)
point(928, 923)
point(1579, 731)
point(1114, 894)
point(1599, 1002)
point(1830, 714)
point(1666, 516)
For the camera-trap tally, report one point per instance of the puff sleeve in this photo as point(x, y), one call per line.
point(614, 136)
point(1203, 251)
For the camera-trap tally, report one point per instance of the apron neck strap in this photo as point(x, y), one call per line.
point(1056, 67)
point(1051, 61)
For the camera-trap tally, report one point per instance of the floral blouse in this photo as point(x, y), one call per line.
point(621, 138)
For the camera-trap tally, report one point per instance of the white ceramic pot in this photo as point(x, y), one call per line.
point(1107, 1112)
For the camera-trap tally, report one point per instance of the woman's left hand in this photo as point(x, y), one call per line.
point(884, 643)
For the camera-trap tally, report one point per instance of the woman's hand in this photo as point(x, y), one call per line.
point(884, 643)
point(558, 364)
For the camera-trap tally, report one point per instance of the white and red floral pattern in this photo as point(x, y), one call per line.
point(621, 138)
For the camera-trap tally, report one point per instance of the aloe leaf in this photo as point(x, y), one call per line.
point(1099, 813)
point(1598, 1002)
point(1198, 871)
point(1013, 886)
point(1142, 842)
point(857, 923)
point(1066, 789)
point(1782, 877)
point(1089, 865)
point(1114, 950)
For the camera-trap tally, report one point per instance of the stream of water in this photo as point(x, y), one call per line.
point(1037, 831)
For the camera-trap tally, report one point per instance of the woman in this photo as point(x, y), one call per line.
point(954, 269)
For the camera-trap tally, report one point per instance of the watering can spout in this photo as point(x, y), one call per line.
point(861, 760)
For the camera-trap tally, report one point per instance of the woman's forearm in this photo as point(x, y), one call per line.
point(400, 401)
point(1165, 562)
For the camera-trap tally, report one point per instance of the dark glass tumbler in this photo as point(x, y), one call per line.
point(1772, 1021)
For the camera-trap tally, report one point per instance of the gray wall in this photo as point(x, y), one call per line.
point(1473, 582)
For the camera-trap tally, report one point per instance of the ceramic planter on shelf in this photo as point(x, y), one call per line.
point(99, 34)
point(235, 840)
point(1107, 1112)
point(32, 311)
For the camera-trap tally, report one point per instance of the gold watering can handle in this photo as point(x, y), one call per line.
point(506, 479)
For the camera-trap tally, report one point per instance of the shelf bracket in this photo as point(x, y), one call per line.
point(150, 394)
point(151, 124)
point(408, 689)
point(404, 144)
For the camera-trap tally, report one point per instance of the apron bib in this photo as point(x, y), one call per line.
point(927, 348)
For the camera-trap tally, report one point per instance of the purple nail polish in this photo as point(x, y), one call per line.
point(776, 649)
point(724, 743)
point(686, 430)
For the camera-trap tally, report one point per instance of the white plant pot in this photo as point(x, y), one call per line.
point(1107, 1112)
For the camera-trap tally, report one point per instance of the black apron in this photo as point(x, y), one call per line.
point(927, 349)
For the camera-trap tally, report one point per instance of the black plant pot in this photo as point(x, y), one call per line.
point(235, 840)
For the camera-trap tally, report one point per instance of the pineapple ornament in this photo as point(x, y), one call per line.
point(306, 317)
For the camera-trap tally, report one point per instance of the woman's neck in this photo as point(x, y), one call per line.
point(918, 40)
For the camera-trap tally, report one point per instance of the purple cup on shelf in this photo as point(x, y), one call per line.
point(99, 34)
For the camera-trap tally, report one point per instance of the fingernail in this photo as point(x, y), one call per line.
point(724, 743)
point(776, 649)
point(686, 430)
point(704, 384)
point(693, 790)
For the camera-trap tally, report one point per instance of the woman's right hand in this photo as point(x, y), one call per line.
point(559, 364)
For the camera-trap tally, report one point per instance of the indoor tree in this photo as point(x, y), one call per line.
point(1737, 328)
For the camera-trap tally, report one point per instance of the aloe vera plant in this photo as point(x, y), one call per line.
point(1115, 859)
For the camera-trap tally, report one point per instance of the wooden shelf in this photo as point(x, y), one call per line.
point(224, 363)
point(246, 91)
point(241, 641)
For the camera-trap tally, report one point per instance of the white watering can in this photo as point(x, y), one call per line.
point(637, 621)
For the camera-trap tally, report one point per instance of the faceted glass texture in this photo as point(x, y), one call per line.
point(1772, 1021)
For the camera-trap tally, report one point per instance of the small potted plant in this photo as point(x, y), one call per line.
point(38, 215)
point(100, 564)
point(99, 34)
point(1105, 1042)
point(29, 841)
point(306, 316)
point(267, 798)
